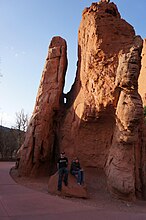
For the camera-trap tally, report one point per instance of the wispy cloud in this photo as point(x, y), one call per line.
point(14, 51)
point(12, 48)
point(16, 54)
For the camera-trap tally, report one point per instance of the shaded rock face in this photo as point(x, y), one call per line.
point(102, 121)
point(142, 77)
point(38, 150)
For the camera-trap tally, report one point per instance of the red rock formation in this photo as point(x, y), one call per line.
point(123, 160)
point(142, 92)
point(142, 77)
point(72, 190)
point(38, 150)
point(103, 118)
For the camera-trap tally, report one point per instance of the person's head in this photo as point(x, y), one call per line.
point(62, 154)
point(76, 159)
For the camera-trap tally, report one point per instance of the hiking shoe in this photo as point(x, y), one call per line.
point(79, 184)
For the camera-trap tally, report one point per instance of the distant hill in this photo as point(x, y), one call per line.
point(10, 140)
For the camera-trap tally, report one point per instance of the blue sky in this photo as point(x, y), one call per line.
point(26, 29)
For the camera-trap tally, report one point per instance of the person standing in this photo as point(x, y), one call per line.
point(62, 165)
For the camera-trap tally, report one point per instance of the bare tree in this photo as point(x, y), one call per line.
point(21, 125)
point(21, 120)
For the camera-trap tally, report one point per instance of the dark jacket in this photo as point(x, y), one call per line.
point(75, 166)
point(62, 162)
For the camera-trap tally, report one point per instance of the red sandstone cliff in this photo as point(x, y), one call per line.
point(142, 77)
point(102, 125)
point(102, 120)
point(40, 146)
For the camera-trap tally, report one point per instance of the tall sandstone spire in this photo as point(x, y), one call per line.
point(102, 120)
point(38, 151)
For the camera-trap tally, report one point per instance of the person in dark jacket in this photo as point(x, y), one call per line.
point(62, 170)
point(77, 171)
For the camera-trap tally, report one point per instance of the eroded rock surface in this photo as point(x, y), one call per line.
point(102, 121)
point(39, 150)
point(102, 35)
point(122, 174)
point(142, 77)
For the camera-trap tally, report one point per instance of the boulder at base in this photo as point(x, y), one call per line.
point(72, 190)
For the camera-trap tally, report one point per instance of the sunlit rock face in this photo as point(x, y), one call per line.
point(38, 150)
point(102, 123)
point(142, 77)
point(102, 119)
point(102, 37)
point(122, 173)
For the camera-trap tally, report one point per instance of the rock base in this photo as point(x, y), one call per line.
point(72, 190)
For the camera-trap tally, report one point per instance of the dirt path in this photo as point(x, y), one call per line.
point(98, 193)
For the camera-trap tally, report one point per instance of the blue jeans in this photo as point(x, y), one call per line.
point(79, 174)
point(63, 172)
